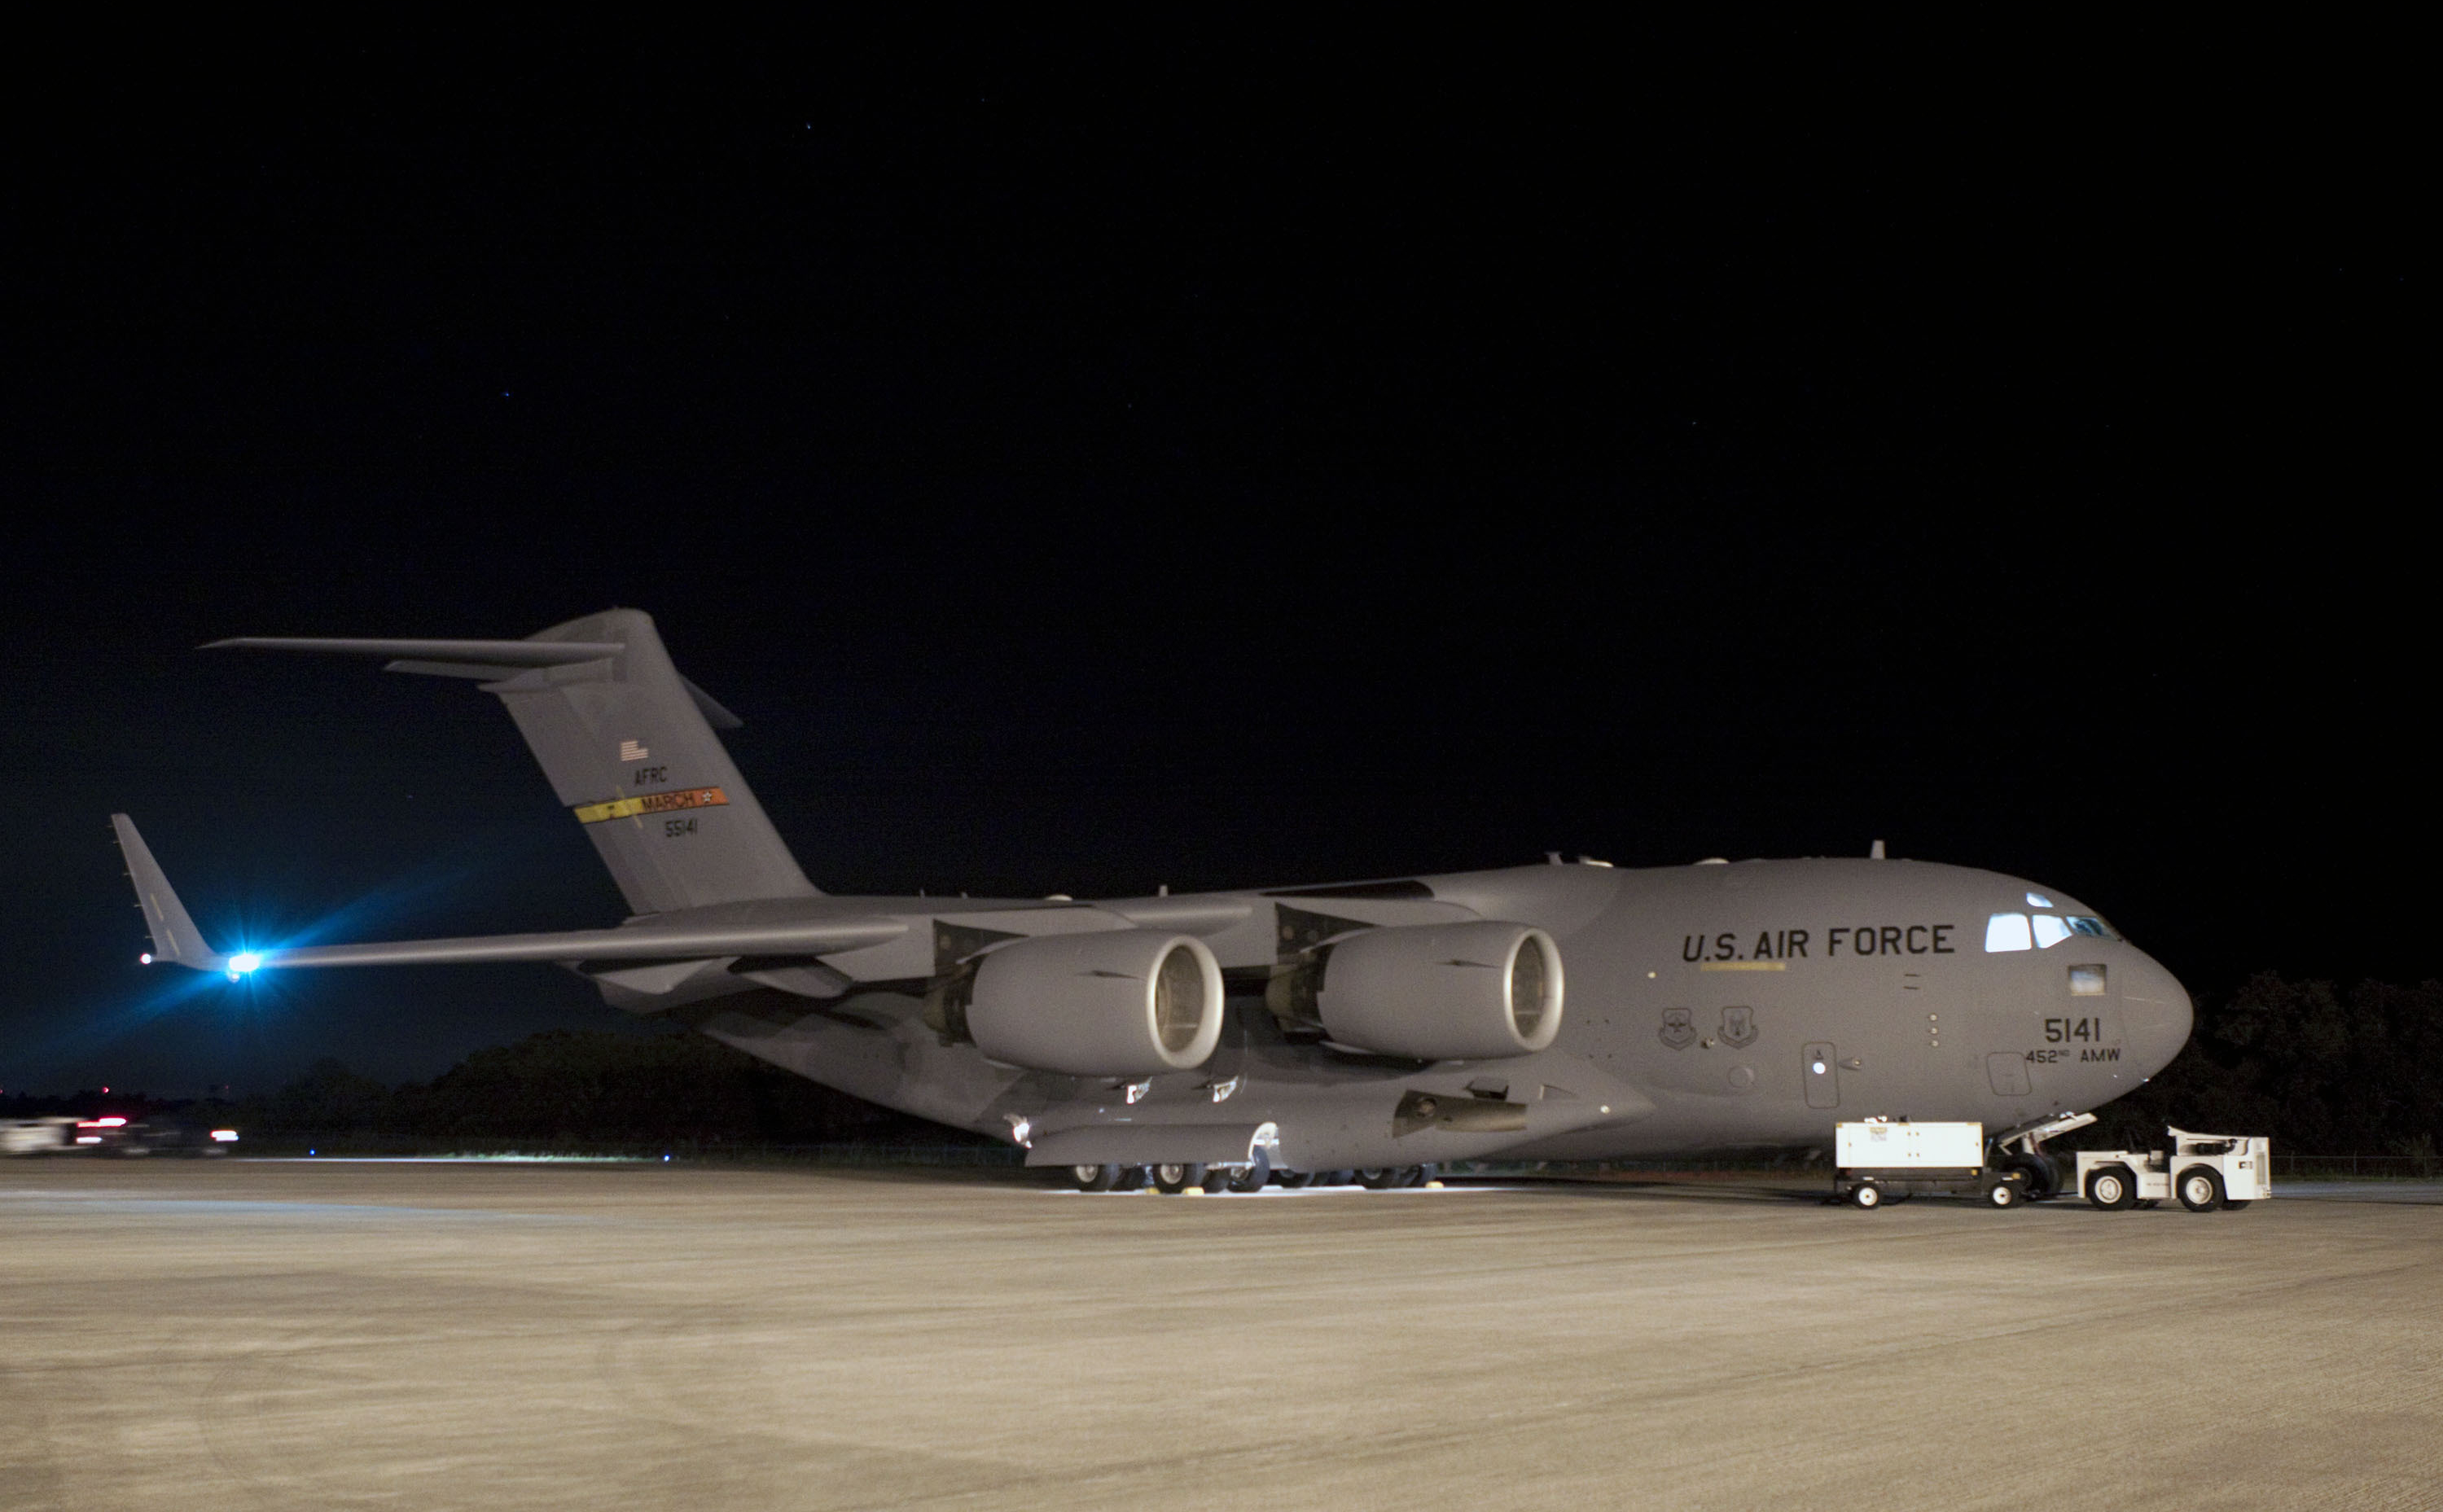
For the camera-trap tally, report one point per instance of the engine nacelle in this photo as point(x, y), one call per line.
point(1126, 1002)
point(1442, 992)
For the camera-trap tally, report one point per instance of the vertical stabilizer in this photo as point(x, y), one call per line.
point(628, 745)
point(628, 748)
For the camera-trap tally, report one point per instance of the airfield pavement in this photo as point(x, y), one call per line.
point(201, 1335)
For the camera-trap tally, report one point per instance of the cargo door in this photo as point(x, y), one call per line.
point(1822, 1074)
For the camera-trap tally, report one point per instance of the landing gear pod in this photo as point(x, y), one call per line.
point(1129, 1002)
point(1443, 992)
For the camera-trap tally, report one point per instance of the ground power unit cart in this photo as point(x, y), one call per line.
point(1878, 1161)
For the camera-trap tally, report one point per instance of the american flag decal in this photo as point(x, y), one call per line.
point(633, 750)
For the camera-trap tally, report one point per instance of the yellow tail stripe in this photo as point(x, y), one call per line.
point(651, 803)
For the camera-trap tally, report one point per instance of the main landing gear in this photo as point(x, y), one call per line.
point(1173, 1179)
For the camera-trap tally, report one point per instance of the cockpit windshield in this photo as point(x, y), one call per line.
point(2007, 932)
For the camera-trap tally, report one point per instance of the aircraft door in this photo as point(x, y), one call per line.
point(2006, 1071)
point(1822, 1074)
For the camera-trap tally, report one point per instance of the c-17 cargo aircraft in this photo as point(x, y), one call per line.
point(1559, 1012)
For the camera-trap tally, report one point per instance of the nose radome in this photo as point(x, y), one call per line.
point(2155, 1014)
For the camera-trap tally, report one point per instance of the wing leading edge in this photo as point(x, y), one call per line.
point(175, 939)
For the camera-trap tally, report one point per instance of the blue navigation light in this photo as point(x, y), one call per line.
point(243, 962)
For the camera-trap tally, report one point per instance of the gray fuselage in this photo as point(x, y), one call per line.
point(1708, 1008)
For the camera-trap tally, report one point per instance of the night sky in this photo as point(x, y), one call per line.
point(1208, 458)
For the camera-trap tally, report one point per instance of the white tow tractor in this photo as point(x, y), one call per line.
point(1877, 1159)
point(2205, 1170)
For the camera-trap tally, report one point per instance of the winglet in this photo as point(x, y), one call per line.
point(174, 935)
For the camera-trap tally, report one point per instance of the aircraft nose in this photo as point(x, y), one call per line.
point(2155, 1014)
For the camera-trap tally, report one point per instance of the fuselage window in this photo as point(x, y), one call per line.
point(2007, 932)
point(2050, 931)
point(2096, 927)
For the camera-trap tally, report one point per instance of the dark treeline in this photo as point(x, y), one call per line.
point(561, 1088)
point(2323, 1071)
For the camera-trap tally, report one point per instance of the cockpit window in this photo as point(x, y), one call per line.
point(2051, 930)
point(2007, 932)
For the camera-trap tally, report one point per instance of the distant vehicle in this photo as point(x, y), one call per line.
point(2206, 1171)
point(181, 1137)
point(112, 1134)
point(36, 1135)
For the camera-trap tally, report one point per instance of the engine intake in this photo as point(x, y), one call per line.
point(1128, 1002)
point(1441, 991)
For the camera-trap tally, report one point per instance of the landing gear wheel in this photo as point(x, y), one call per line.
point(2003, 1193)
point(1335, 1178)
point(1095, 1177)
point(1175, 1180)
point(2043, 1176)
point(2112, 1188)
point(1252, 1178)
point(1382, 1177)
point(1867, 1195)
point(1423, 1176)
point(1294, 1179)
point(2200, 1188)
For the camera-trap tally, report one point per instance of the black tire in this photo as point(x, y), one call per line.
point(1294, 1179)
point(1865, 1197)
point(2200, 1187)
point(1175, 1180)
point(1382, 1177)
point(1425, 1176)
point(2002, 1192)
point(1335, 1178)
point(1250, 1178)
point(2113, 1188)
point(1095, 1177)
point(2043, 1176)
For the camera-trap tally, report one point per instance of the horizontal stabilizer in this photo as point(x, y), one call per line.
point(174, 935)
point(486, 654)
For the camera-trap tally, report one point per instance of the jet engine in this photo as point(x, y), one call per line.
point(1441, 991)
point(1128, 1002)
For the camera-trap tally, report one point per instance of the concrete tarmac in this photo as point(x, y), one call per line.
point(331, 1335)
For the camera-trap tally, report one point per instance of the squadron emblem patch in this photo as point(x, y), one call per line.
point(1678, 1028)
point(1739, 1027)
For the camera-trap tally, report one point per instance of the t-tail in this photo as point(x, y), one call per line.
point(629, 746)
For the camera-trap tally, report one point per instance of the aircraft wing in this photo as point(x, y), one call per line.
point(176, 939)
